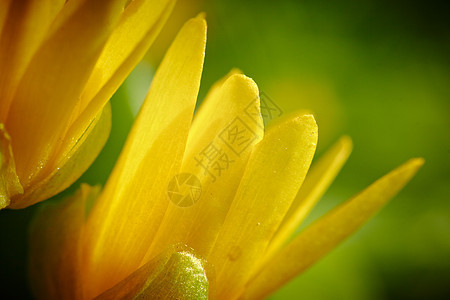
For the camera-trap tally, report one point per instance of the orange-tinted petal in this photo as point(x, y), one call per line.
point(53, 82)
point(9, 181)
point(72, 165)
point(126, 46)
point(25, 24)
point(55, 248)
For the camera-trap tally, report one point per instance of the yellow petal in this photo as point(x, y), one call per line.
point(176, 274)
point(216, 161)
point(323, 235)
point(55, 248)
point(205, 113)
point(275, 172)
point(316, 183)
point(72, 165)
point(125, 219)
point(9, 181)
point(126, 46)
point(25, 25)
point(53, 81)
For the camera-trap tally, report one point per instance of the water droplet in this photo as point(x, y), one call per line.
point(235, 253)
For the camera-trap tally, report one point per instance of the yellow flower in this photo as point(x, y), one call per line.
point(201, 210)
point(60, 62)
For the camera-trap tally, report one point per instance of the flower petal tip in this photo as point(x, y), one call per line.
point(196, 26)
point(346, 142)
point(243, 80)
point(306, 119)
point(199, 19)
point(412, 166)
point(201, 16)
point(417, 161)
point(235, 71)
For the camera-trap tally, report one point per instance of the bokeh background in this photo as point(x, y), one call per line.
point(378, 71)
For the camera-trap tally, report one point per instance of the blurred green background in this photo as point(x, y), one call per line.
point(378, 71)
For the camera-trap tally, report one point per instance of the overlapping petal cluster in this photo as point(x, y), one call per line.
point(227, 235)
point(60, 62)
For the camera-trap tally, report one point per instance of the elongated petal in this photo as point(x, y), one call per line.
point(316, 183)
point(9, 181)
point(4, 9)
point(126, 46)
point(72, 165)
point(275, 172)
point(25, 25)
point(322, 236)
point(217, 161)
point(176, 274)
point(53, 82)
point(205, 114)
point(55, 248)
point(126, 217)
